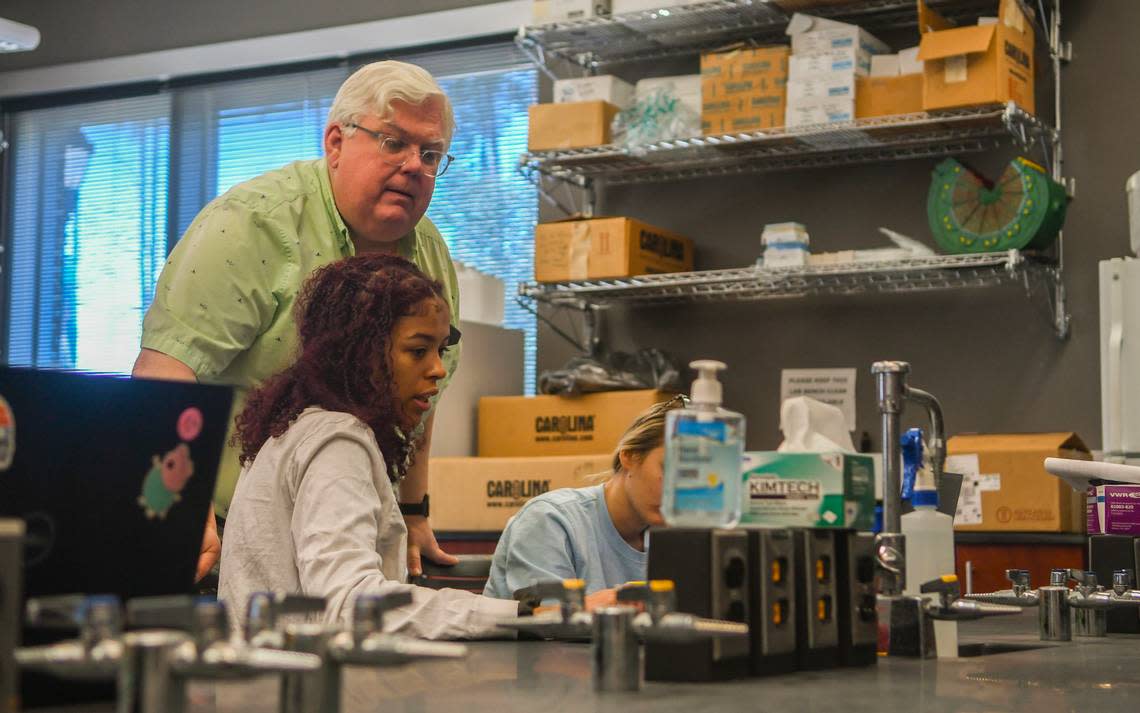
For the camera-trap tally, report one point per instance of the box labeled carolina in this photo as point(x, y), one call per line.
point(832, 490)
point(481, 494)
point(526, 426)
point(607, 247)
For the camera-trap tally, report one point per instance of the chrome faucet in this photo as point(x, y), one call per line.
point(904, 621)
point(366, 644)
point(163, 662)
point(645, 612)
point(97, 652)
point(1061, 611)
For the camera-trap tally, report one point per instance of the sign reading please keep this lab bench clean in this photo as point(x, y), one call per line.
point(831, 386)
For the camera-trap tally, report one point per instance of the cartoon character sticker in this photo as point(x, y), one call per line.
point(7, 435)
point(163, 484)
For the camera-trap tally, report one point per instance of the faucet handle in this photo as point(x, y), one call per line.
point(633, 593)
point(946, 587)
point(98, 617)
point(1060, 576)
point(1084, 578)
point(1019, 578)
point(265, 608)
point(570, 593)
point(1121, 580)
point(368, 611)
point(205, 618)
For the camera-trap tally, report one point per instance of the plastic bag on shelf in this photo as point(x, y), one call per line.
point(658, 116)
point(619, 371)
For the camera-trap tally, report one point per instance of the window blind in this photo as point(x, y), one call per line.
point(88, 231)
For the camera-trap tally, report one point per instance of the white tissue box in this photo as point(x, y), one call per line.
point(829, 490)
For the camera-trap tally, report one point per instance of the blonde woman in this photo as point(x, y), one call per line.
point(596, 533)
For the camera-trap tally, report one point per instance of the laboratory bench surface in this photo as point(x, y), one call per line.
point(1028, 675)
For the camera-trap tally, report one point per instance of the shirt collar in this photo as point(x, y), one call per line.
point(405, 248)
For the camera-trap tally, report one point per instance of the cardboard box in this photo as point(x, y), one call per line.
point(842, 60)
point(747, 113)
point(1012, 492)
point(607, 247)
point(604, 87)
point(888, 96)
point(884, 65)
point(1113, 510)
point(545, 11)
point(838, 85)
point(829, 490)
point(481, 494)
point(620, 7)
point(811, 35)
point(526, 426)
point(819, 112)
point(570, 126)
point(743, 62)
point(983, 64)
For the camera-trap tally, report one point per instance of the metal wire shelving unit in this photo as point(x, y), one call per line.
point(598, 43)
point(871, 140)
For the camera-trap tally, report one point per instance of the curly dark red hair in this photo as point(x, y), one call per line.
point(345, 314)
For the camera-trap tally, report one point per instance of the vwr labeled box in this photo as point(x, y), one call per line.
point(481, 494)
point(525, 426)
point(982, 64)
point(1113, 510)
point(1012, 492)
point(607, 247)
point(833, 490)
point(572, 125)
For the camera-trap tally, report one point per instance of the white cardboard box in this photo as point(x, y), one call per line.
point(623, 6)
point(884, 65)
point(604, 87)
point(909, 63)
point(813, 35)
point(812, 112)
point(544, 11)
point(843, 60)
point(786, 257)
point(836, 85)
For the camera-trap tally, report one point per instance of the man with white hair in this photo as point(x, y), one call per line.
point(223, 305)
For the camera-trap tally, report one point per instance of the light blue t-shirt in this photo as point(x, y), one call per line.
point(564, 534)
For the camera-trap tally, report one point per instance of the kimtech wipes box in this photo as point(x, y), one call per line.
point(833, 490)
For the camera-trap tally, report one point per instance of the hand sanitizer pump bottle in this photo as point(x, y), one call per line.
point(930, 550)
point(704, 447)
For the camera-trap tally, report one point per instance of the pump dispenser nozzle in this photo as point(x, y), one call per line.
point(706, 388)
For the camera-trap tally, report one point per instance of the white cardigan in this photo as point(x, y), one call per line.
point(315, 513)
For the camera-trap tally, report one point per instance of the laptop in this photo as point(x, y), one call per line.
point(112, 476)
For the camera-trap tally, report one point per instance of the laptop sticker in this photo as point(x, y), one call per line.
point(165, 481)
point(7, 435)
point(189, 424)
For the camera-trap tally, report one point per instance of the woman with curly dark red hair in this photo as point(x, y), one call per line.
point(325, 442)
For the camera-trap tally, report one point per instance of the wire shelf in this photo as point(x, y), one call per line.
point(870, 140)
point(749, 284)
point(687, 29)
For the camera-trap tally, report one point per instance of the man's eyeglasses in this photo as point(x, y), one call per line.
point(396, 152)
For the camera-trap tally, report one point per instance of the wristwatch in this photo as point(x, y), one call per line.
point(420, 508)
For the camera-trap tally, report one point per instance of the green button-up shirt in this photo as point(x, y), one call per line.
point(224, 301)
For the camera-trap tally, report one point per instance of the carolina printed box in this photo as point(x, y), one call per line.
point(831, 490)
point(525, 426)
point(481, 494)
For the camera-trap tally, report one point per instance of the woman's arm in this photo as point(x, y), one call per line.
point(339, 520)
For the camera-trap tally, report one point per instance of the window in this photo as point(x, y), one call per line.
point(102, 190)
point(88, 231)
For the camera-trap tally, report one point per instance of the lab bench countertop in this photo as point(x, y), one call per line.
point(1016, 673)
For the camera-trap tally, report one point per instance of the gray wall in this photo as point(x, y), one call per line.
point(990, 355)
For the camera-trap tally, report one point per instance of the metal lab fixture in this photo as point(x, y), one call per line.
point(151, 668)
point(616, 631)
point(1061, 612)
point(365, 644)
